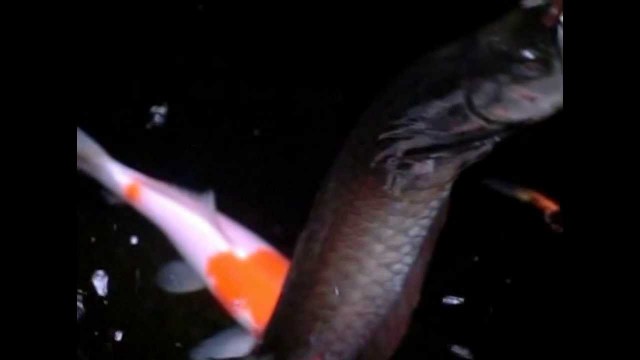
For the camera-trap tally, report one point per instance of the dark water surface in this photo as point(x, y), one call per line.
point(261, 127)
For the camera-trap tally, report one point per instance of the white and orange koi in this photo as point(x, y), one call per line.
point(243, 272)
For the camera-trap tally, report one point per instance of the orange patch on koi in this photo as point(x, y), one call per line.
point(132, 191)
point(256, 281)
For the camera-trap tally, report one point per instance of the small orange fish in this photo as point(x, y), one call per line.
point(549, 207)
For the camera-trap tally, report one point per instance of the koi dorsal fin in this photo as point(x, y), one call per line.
point(178, 277)
point(208, 199)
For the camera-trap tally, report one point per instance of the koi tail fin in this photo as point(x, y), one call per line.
point(89, 152)
point(93, 160)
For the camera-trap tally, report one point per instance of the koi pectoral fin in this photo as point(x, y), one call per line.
point(178, 277)
point(112, 199)
point(234, 342)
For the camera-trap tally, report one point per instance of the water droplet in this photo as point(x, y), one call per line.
point(158, 115)
point(528, 54)
point(117, 335)
point(461, 351)
point(133, 240)
point(80, 306)
point(452, 300)
point(100, 281)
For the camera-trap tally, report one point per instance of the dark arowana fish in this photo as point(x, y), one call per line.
point(357, 271)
